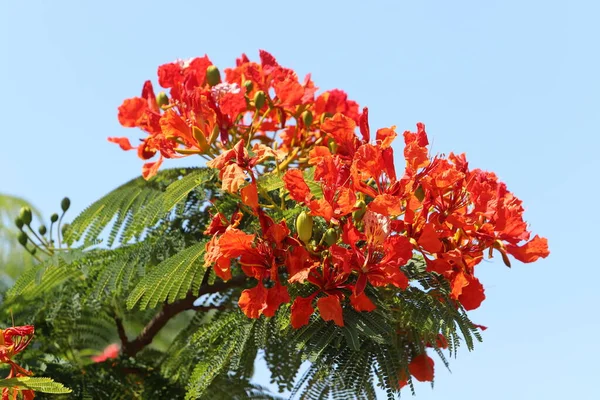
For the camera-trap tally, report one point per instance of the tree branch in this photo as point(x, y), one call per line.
point(121, 332)
point(168, 311)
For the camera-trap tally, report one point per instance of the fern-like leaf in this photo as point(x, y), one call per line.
point(123, 204)
point(45, 385)
point(171, 279)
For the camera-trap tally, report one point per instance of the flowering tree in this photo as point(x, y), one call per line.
point(300, 238)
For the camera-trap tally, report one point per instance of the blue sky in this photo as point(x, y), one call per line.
point(513, 84)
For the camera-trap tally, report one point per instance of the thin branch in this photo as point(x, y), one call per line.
point(121, 331)
point(168, 311)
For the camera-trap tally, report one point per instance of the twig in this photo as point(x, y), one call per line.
point(168, 311)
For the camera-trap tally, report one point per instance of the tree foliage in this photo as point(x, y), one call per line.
point(306, 249)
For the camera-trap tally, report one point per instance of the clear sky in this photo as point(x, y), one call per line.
point(514, 84)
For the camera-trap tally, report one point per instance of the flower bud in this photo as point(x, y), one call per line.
point(420, 193)
point(249, 86)
point(213, 76)
point(25, 215)
point(259, 99)
point(19, 223)
point(360, 210)
point(330, 237)
point(332, 146)
point(307, 119)
point(54, 218)
point(304, 226)
point(162, 99)
point(42, 230)
point(22, 238)
point(65, 204)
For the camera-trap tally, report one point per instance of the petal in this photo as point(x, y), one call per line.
point(232, 177)
point(429, 240)
point(233, 104)
point(364, 125)
point(302, 309)
point(234, 243)
point(132, 112)
point(150, 169)
point(385, 137)
point(421, 367)
point(386, 204)
point(276, 296)
point(321, 208)
point(294, 182)
point(174, 127)
point(289, 92)
point(341, 128)
point(472, 295)
point(331, 309)
point(530, 251)
point(123, 142)
point(398, 250)
point(361, 302)
point(169, 74)
point(249, 195)
point(367, 162)
point(253, 301)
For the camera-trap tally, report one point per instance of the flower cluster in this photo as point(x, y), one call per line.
point(262, 120)
point(204, 114)
point(12, 342)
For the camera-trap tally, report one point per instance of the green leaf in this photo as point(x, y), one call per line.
point(138, 201)
point(44, 277)
point(351, 336)
point(269, 182)
point(39, 384)
point(170, 280)
point(162, 204)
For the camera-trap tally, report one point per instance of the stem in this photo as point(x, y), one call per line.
point(168, 311)
point(288, 160)
point(58, 232)
point(42, 242)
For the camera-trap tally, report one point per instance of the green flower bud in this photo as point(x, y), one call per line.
point(42, 230)
point(307, 118)
point(162, 99)
point(33, 251)
point(249, 86)
point(25, 215)
point(332, 146)
point(65, 204)
point(304, 226)
point(19, 223)
point(330, 237)
point(259, 99)
point(360, 210)
point(420, 193)
point(22, 238)
point(54, 217)
point(213, 76)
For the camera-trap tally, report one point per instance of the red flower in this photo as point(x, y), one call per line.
point(110, 351)
point(14, 340)
point(421, 367)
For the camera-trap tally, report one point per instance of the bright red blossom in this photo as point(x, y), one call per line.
point(261, 123)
